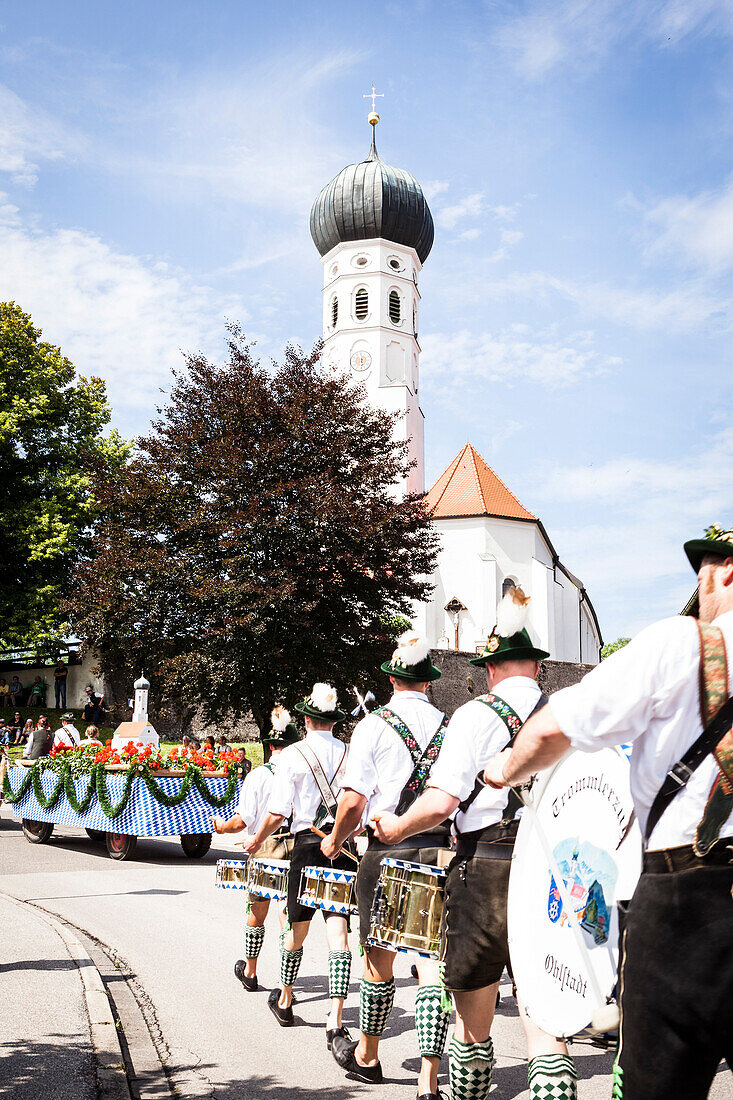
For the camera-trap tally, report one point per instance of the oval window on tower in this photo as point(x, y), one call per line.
point(394, 307)
point(334, 311)
point(361, 304)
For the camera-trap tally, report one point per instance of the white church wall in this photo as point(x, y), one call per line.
point(477, 556)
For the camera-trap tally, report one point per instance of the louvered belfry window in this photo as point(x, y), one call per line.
point(394, 307)
point(334, 311)
point(361, 304)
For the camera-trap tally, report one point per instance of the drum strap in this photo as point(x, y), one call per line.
point(422, 761)
point(716, 716)
point(513, 723)
point(329, 803)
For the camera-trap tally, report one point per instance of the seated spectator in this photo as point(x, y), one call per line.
point(185, 742)
point(68, 735)
point(25, 733)
point(91, 736)
point(40, 741)
point(94, 709)
point(4, 693)
point(4, 732)
point(59, 684)
point(222, 745)
point(243, 761)
point(195, 744)
point(16, 728)
point(209, 744)
point(37, 697)
point(16, 692)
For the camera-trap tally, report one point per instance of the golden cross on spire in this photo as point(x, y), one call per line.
point(374, 96)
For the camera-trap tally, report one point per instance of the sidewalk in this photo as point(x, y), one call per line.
point(45, 1041)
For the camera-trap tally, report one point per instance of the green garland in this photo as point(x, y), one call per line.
point(98, 783)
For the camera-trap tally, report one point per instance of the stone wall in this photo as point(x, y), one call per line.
point(462, 681)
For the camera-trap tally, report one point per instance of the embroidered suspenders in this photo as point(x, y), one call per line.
point(422, 761)
point(713, 694)
point(327, 809)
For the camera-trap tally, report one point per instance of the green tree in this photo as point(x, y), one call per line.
point(253, 545)
point(611, 647)
point(51, 443)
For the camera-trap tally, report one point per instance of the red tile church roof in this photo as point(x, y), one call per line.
point(469, 487)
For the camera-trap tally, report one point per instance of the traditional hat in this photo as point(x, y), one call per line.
point(411, 660)
point(322, 703)
point(69, 717)
point(716, 541)
point(509, 640)
point(284, 731)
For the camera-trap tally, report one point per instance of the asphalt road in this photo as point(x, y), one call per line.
point(180, 936)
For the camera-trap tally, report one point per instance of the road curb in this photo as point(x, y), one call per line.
point(110, 1065)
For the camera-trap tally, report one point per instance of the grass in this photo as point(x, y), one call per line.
point(252, 748)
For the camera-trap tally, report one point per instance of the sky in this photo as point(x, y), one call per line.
point(158, 162)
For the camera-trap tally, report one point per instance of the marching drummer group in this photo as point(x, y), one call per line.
point(422, 785)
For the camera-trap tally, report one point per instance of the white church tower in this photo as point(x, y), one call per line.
point(374, 230)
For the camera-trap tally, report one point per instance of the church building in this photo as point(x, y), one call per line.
point(373, 229)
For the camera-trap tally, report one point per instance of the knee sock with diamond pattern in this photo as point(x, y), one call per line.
point(552, 1077)
point(470, 1066)
point(289, 965)
point(431, 1021)
point(254, 936)
point(375, 1004)
point(339, 973)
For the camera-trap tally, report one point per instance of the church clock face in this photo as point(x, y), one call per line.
point(361, 361)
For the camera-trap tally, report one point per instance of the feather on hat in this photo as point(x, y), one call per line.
point(280, 718)
point(512, 612)
point(411, 649)
point(323, 698)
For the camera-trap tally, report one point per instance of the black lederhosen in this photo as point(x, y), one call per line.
point(474, 947)
point(307, 853)
point(368, 876)
point(676, 979)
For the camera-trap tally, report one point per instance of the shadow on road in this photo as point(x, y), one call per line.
point(34, 1069)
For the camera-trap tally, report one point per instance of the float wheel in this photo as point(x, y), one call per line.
point(196, 845)
point(120, 845)
point(37, 832)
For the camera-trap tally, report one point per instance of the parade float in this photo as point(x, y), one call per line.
point(125, 788)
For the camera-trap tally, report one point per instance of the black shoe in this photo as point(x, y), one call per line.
point(430, 1095)
point(250, 984)
point(413, 972)
point(284, 1016)
point(330, 1035)
point(343, 1051)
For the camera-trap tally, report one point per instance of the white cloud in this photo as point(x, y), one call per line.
point(699, 228)
point(29, 136)
point(433, 188)
point(512, 355)
point(469, 207)
point(577, 34)
point(684, 308)
point(122, 317)
point(636, 513)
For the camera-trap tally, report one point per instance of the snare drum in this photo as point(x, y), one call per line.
point(231, 874)
point(333, 891)
point(407, 907)
point(268, 878)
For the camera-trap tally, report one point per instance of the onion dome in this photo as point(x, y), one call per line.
point(372, 199)
point(142, 684)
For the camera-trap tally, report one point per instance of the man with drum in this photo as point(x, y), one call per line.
point(308, 780)
point(474, 948)
point(668, 692)
point(390, 757)
point(251, 811)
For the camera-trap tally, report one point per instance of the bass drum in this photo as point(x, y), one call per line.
point(577, 854)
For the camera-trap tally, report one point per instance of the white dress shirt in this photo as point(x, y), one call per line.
point(647, 693)
point(68, 736)
point(475, 734)
point(294, 787)
point(379, 762)
point(254, 797)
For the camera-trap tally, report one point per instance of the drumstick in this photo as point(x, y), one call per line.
point(323, 837)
